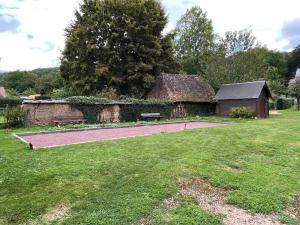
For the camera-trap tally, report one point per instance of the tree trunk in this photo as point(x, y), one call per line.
point(298, 103)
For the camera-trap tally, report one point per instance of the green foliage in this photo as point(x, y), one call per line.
point(243, 66)
point(293, 63)
point(89, 106)
point(288, 220)
point(194, 40)
point(239, 41)
point(121, 181)
point(41, 81)
point(10, 102)
point(272, 105)
point(186, 212)
point(131, 108)
point(147, 101)
point(84, 100)
point(284, 103)
point(108, 93)
point(294, 91)
point(61, 93)
point(133, 111)
point(116, 44)
point(241, 112)
point(14, 117)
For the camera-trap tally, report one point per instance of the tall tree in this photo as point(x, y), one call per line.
point(239, 57)
point(293, 63)
point(117, 44)
point(239, 41)
point(295, 92)
point(194, 40)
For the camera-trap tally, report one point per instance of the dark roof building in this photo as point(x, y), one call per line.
point(2, 92)
point(252, 95)
point(182, 88)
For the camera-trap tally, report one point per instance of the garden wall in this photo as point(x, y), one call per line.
point(45, 112)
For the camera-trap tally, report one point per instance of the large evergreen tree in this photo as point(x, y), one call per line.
point(117, 44)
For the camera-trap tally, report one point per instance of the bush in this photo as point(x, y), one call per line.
point(241, 112)
point(10, 102)
point(61, 93)
point(14, 117)
point(108, 93)
point(272, 105)
point(83, 100)
point(284, 103)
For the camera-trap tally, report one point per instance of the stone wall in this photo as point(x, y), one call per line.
point(45, 112)
point(111, 113)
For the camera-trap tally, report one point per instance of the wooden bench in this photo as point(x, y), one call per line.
point(67, 120)
point(151, 116)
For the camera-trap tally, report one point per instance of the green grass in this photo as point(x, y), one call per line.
point(120, 182)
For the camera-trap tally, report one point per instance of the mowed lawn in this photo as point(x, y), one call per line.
point(122, 181)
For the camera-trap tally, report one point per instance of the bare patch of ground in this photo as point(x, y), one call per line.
point(213, 199)
point(274, 112)
point(293, 210)
point(144, 221)
point(170, 203)
point(56, 213)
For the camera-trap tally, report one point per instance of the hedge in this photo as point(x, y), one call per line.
point(10, 102)
point(284, 103)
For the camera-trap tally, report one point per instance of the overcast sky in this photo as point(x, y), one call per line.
point(32, 31)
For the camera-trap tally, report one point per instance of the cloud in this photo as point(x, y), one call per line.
point(9, 23)
point(291, 32)
point(46, 20)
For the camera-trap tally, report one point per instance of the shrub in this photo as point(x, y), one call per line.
point(61, 93)
point(9, 102)
point(83, 100)
point(108, 93)
point(14, 117)
point(241, 112)
point(284, 103)
point(272, 105)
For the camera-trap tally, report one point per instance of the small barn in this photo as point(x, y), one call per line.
point(2, 92)
point(252, 95)
point(182, 88)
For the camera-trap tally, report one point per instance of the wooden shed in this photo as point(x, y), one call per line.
point(252, 95)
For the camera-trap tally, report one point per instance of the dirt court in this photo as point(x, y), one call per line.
point(55, 139)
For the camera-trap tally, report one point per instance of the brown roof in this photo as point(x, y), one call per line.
point(182, 88)
point(2, 92)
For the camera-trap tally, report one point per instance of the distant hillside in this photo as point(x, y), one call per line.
point(45, 71)
point(42, 80)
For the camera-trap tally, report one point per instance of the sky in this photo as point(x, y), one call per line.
point(32, 31)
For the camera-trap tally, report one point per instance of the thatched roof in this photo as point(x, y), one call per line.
point(182, 88)
point(248, 90)
point(2, 92)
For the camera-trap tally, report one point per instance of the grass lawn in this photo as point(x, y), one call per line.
point(120, 182)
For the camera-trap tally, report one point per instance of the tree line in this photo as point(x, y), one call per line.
point(119, 47)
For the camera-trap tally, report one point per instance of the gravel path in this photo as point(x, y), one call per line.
point(76, 137)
